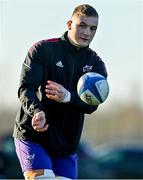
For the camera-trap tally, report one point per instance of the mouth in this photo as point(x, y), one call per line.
point(84, 39)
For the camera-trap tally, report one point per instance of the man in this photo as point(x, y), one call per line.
point(49, 124)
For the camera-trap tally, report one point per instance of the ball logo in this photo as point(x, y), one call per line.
point(88, 97)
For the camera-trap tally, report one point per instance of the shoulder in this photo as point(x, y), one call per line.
point(98, 62)
point(52, 40)
point(48, 42)
point(45, 42)
point(39, 45)
point(95, 57)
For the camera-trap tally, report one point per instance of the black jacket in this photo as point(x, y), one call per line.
point(57, 60)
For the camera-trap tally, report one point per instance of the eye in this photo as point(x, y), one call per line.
point(93, 28)
point(82, 25)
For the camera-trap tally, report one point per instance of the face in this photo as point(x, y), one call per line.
point(81, 30)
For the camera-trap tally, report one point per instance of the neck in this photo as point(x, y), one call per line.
point(72, 42)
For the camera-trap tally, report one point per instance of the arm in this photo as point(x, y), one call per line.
point(82, 106)
point(58, 93)
point(30, 80)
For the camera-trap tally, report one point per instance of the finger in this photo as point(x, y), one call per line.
point(43, 129)
point(52, 87)
point(54, 97)
point(53, 83)
point(39, 117)
point(38, 121)
point(57, 92)
point(35, 121)
point(51, 92)
point(36, 127)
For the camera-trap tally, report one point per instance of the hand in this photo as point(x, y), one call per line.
point(39, 122)
point(57, 92)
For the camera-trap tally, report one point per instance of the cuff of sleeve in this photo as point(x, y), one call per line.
point(67, 97)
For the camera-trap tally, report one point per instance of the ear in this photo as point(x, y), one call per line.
point(69, 23)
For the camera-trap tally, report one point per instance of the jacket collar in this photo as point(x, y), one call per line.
point(70, 46)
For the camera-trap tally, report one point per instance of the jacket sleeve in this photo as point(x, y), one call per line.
point(80, 105)
point(30, 80)
point(100, 67)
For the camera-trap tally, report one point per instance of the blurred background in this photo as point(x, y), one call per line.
point(112, 135)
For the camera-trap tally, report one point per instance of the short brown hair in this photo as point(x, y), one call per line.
point(85, 9)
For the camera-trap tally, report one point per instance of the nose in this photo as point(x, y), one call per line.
point(87, 31)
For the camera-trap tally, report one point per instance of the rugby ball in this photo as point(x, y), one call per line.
point(93, 88)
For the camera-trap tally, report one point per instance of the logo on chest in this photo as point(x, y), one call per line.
point(87, 68)
point(59, 64)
